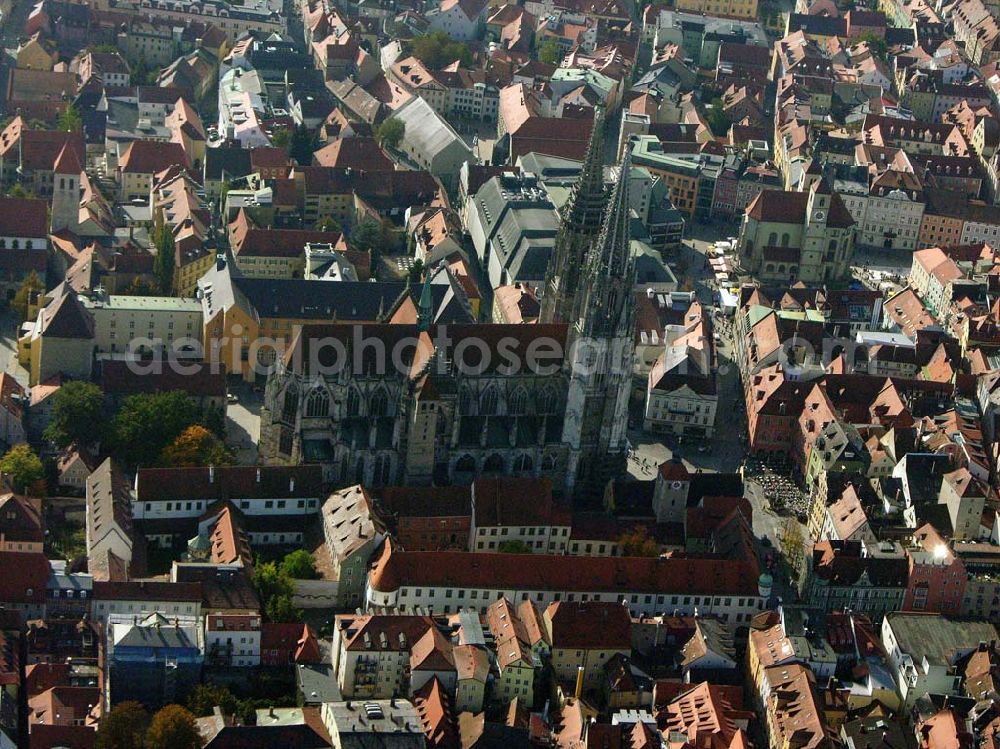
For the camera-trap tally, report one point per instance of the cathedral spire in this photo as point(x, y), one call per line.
point(605, 302)
point(425, 311)
point(581, 223)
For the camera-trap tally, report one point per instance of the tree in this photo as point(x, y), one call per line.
point(164, 262)
point(435, 50)
point(205, 697)
point(370, 236)
point(141, 287)
point(302, 144)
point(123, 727)
point(147, 423)
point(281, 137)
point(390, 133)
point(717, 118)
point(299, 565)
point(23, 466)
point(416, 273)
point(877, 44)
point(792, 546)
point(196, 446)
point(173, 727)
point(214, 420)
point(514, 547)
point(77, 415)
point(31, 286)
point(550, 52)
point(328, 223)
point(18, 191)
point(637, 543)
point(70, 121)
point(275, 589)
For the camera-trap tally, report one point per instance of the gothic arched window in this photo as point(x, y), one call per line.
point(383, 469)
point(493, 464)
point(547, 401)
point(523, 463)
point(518, 401)
point(318, 402)
point(464, 402)
point(466, 464)
point(291, 402)
point(489, 401)
point(378, 403)
point(548, 463)
point(353, 402)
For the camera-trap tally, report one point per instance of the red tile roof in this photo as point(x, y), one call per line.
point(25, 575)
point(506, 500)
point(151, 157)
point(229, 482)
point(198, 379)
point(146, 590)
point(24, 217)
point(588, 625)
point(395, 569)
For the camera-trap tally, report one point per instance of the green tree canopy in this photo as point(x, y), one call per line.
point(26, 291)
point(173, 727)
point(18, 191)
point(877, 44)
point(275, 589)
point(302, 144)
point(550, 52)
point(165, 261)
point(205, 697)
point(437, 49)
point(370, 236)
point(23, 466)
point(328, 223)
point(390, 133)
point(299, 565)
point(147, 423)
point(77, 415)
point(70, 120)
point(717, 118)
point(123, 727)
point(281, 137)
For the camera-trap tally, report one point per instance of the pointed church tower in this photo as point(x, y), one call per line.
point(581, 224)
point(425, 310)
point(66, 191)
point(602, 349)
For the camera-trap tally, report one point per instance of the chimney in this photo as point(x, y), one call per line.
point(579, 682)
point(258, 475)
point(211, 474)
point(291, 485)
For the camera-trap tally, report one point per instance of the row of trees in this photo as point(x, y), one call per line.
point(437, 49)
point(158, 429)
point(167, 429)
point(128, 726)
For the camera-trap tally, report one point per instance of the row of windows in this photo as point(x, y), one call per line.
point(269, 504)
point(660, 600)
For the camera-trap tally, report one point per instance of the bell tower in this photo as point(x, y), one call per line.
point(66, 191)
